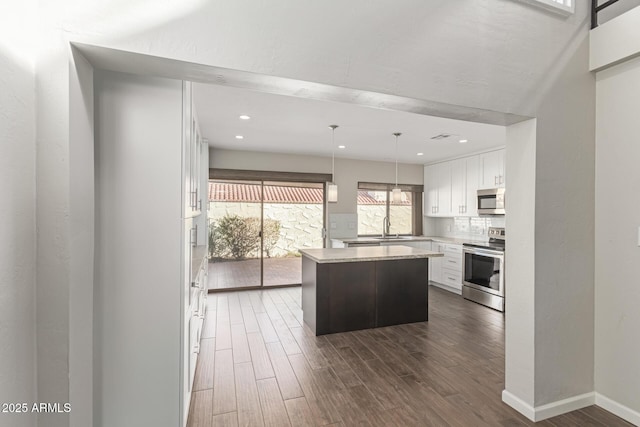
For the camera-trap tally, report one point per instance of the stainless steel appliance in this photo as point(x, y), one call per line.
point(483, 270)
point(491, 202)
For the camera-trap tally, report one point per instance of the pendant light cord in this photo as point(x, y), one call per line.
point(333, 151)
point(397, 134)
point(333, 155)
point(396, 160)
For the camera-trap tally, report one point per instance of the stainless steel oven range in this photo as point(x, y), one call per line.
point(483, 270)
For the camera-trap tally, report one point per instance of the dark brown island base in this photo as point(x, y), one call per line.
point(347, 289)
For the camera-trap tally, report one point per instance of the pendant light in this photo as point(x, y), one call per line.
point(332, 187)
point(396, 192)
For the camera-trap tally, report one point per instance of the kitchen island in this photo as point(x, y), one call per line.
point(347, 289)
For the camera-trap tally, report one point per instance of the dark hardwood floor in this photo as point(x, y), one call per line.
point(259, 366)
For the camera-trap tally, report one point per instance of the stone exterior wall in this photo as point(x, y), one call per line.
point(370, 219)
point(300, 224)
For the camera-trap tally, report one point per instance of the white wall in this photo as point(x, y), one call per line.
point(549, 368)
point(17, 211)
point(617, 322)
point(616, 10)
point(53, 261)
point(347, 171)
point(564, 227)
point(617, 41)
point(518, 53)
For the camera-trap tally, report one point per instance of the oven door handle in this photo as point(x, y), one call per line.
point(484, 253)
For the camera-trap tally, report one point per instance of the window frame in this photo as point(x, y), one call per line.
point(416, 203)
point(564, 7)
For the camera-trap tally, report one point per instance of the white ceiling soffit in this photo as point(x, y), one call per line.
point(286, 124)
point(137, 63)
point(292, 116)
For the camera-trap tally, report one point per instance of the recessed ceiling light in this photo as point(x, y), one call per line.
point(239, 137)
point(420, 154)
point(342, 146)
point(244, 117)
point(462, 141)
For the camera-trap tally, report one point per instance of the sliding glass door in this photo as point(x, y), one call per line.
point(256, 229)
point(293, 219)
point(235, 224)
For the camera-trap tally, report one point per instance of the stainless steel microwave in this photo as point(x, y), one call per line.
point(491, 202)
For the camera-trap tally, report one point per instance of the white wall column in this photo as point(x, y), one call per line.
point(614, 51)
point(549, 369)
point(520, 267)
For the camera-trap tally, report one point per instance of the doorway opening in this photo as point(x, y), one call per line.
point(256, 228)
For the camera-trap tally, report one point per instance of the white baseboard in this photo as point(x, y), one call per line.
point(618, 409)
point(519, 405)
point(445, 287)
point(549, 410)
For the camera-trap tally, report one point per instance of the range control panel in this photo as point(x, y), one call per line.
point(497, 233)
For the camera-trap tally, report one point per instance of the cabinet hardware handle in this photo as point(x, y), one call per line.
point(194, 198)
point(452, 261)
point(495, 180)
point(193, 236)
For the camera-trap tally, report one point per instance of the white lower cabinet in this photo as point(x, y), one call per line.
point(435, 269)
point(447, 270)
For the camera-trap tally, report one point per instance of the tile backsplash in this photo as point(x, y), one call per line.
point(463, 227)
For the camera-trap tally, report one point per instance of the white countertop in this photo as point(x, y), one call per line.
point(455, 240)
point(367, 253)
point(399, 240)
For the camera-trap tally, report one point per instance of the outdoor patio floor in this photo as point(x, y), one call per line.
point(245, 273)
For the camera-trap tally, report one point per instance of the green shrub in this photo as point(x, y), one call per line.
point(237, 237)
point(215, 248)
point(271, 232)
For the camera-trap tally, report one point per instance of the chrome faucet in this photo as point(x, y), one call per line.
point(386, 224)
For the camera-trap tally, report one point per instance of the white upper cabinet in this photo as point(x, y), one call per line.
point(437, 188)
point(458, 186)
point(492, 170)
point(430, 191)
point(451, 187)
point(191, 156)
point(464, 186)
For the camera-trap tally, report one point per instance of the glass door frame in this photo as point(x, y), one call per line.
point(259, 178)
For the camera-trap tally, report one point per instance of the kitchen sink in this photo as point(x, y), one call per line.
point(393, 238)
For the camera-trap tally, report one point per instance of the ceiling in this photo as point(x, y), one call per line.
point(287, 124)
